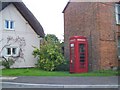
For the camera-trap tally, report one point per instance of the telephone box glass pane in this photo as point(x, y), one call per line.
point(82, 55)
point(82, 48)
point(72, 55)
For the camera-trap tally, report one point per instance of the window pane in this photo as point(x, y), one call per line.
point(14, 51)
point(119, 18)
point(118, 6)
point(11, 25)
point(118, 46)
point(72, 57)
point(6, 24)
point(82, 48)
point(119, 41)
point(8, 51)
point(119, 51)
point(82, 55)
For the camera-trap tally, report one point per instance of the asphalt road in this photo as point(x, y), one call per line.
point(61, 82)
point(59, 89)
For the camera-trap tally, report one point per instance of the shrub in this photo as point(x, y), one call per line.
point(63, 67)
point(49, 55)
point(7, 62)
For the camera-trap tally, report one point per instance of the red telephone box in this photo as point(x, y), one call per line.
point(78, 54)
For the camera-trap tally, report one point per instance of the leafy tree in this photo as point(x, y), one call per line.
point(49, 55)
point(52, 38)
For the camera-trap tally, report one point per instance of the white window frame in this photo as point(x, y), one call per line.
point(118, 48)
point(116, 13)
point(11, 52)
point(9, 25)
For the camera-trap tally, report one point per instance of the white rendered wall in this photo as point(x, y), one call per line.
point(22, 29)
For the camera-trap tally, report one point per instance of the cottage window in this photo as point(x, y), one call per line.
point(117, 9)
point(11, 51)
point(119, 48)
point(14, 51)
point(9, 25)
point(8, 51)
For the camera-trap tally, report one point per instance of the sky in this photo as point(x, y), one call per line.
point(49, 14)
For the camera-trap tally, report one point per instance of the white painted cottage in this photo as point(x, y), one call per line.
point(18, 25)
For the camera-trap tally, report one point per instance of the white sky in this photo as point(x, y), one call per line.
point(49, 14)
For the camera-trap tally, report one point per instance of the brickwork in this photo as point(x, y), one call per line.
point(108, 50)
point(96, 21)
point(108, 54)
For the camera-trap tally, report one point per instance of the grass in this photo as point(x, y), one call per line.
point(37, 72)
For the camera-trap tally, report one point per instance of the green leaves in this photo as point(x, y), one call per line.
point(7, 62)
point(52, 38)
point(49, 55)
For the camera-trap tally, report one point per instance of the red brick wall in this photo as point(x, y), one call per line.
point(80, 19)
point(107, 29)
point(96, 21)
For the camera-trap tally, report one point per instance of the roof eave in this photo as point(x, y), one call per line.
point(37, 26)
point(65, 7)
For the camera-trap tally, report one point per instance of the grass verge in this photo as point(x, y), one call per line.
point(38, 72)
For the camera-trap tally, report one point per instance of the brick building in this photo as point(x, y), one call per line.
point(100, 23)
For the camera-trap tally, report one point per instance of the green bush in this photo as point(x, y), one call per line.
point(63, 67)
point(7, 62)
point(49, 55)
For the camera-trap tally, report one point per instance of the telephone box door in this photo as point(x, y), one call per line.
point(72, 57)
point(82, 57)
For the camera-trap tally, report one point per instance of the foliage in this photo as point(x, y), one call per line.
point(62, 47)
point(63, 67)
point(52, 38)
point(50, 54)
point(7, 62)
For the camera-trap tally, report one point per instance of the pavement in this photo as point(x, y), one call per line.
point(59, 82)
